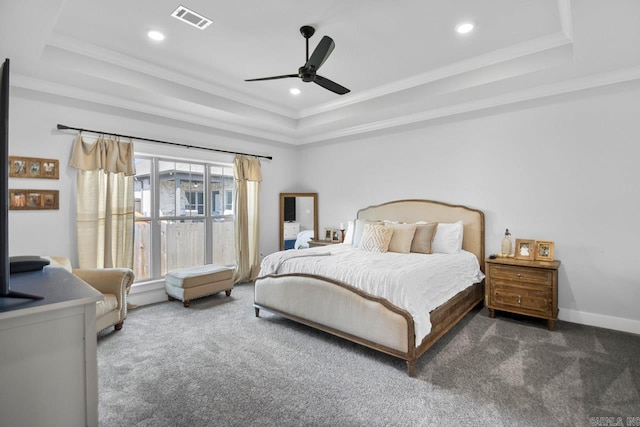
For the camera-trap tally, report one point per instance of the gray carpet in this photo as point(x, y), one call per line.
point(216, 364)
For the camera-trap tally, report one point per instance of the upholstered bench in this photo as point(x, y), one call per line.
point(189, 283)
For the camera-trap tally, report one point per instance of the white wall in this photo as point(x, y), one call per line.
point(563, 169)
point(32, 131)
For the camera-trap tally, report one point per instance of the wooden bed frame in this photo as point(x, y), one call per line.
point(366, 319)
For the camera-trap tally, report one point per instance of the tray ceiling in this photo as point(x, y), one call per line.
point(403, 61)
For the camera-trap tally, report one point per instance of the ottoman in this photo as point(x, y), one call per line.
point(190, 283)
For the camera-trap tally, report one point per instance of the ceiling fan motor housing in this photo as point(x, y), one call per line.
point(306, 74)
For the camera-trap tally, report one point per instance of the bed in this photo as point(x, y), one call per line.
point(310, 287)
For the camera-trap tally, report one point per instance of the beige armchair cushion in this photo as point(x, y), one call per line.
point(109, 303)
point(113, 283)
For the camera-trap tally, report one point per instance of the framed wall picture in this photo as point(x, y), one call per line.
point(33, 167)
point(336, 235)
point(33, 199)
point(525, 249)
point(544, 250)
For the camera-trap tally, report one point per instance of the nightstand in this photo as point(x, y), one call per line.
point(316, 243)
point(523, 287)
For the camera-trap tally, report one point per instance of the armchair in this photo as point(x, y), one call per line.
point(113, 283)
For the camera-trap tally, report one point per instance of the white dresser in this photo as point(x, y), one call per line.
point(291, 230)
point(48, 360)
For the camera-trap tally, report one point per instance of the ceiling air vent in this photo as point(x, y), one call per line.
point(191, 17)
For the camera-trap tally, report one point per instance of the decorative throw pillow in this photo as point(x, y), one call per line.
point(448, 238)
point(375, 238)
point(401, 238)
point(423, 238)
point(359, 229)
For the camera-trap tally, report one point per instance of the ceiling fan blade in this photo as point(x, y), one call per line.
point(332, 86)
point(272, 78)
point(321, 53)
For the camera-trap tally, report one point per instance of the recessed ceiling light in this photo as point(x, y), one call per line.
point(155, 35)
point(464, 27)
point(294, 91)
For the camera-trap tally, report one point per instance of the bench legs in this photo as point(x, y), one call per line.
point(186, 303)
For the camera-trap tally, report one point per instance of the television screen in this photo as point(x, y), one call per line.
point(4, 176)
point(289, 209)
point(5, 267)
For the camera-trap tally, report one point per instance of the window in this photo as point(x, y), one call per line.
point(176, 225)
point(228, 200)
point(196, 201)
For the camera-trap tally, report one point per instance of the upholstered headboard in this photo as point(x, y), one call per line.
point(432, 211)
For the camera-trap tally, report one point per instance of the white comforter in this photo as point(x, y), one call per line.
point(417, 283)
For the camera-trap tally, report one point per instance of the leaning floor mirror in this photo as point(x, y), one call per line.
point(298, 220)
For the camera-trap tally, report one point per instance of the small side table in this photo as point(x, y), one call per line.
point(523, 287)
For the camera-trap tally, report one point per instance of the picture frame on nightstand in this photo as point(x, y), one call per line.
point(328, 234)
point(525, 249)
point(544, 250)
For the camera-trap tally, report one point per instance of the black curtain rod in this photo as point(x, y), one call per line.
point(64, 127)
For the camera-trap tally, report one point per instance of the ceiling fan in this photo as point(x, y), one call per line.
point(308, 71)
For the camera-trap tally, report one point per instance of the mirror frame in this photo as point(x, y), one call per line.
point(315, 214)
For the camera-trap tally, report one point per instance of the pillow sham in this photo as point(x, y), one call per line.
point(348, 235)
point(359, 229)
point(375, 238)
point(401, 238)
point(423, 238)
point(448, 238)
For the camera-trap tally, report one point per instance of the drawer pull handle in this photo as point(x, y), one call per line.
point(519, 299)
point(519, 275)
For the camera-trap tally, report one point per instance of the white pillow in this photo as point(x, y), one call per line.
point(348, 235)
point(375, 238)
point(401, 238)
point(448, 238)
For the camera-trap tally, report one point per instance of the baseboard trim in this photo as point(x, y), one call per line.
point(147, 293)
point(600, 320)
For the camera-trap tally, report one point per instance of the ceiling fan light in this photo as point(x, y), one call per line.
point(465, 27)
point(155, 35)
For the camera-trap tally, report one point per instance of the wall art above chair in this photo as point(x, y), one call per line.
point(33, 167)
point(33, 199)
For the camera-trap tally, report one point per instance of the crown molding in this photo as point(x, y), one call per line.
point(531, 47)
point(574, 85)
point(66, 91)
point(297, 137)
point(566, 23)
point(125, 61)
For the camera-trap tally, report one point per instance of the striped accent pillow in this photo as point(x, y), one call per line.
point(375, 238)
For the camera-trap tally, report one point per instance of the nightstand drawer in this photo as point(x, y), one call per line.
point(521, 274)
point(526, 298)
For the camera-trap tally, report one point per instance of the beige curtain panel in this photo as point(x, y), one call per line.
point(248, 175)
point(105, 204)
